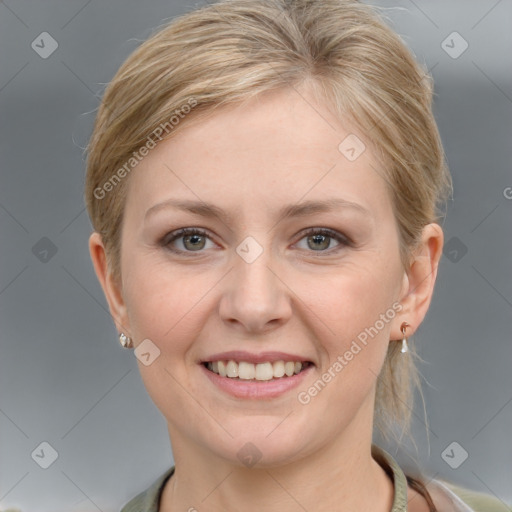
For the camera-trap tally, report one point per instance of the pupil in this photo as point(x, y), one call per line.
point(194, 239)
point(319, 238)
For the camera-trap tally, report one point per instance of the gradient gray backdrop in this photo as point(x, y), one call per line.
point(65, 380)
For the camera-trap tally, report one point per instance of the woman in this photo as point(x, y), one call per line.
point(265, 181)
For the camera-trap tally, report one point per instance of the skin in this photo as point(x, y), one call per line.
point(299, 296)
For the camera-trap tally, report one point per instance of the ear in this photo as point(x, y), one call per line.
point(419, 279)
point(111, 288)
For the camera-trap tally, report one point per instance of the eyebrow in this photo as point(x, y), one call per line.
point(302, 209)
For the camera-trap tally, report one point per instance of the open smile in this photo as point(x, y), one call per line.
point(256, 379)
point(266, 371)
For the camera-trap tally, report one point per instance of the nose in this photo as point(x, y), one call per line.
point(256, 298)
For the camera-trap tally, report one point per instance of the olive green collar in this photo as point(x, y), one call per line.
point(391, 467)
point(149, 500)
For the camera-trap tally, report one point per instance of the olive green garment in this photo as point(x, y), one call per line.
point(470, 501)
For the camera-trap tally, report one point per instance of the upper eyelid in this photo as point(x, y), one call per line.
point(177, 234)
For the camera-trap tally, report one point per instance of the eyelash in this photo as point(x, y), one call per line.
point(176, 235)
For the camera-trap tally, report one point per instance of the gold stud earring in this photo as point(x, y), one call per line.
point(403, 328)
point(125, 341)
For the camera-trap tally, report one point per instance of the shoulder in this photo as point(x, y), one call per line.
point(450, 497)
point(149, 500)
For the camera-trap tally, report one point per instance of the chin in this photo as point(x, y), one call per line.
point(263, 443)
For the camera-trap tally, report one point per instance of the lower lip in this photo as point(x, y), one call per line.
point(257, 389)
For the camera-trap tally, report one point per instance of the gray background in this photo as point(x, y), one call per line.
point(64, 378)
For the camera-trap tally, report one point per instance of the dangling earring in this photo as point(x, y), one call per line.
point(125, 341)
point(403, 327)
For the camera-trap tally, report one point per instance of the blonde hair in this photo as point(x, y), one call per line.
point(233, 50)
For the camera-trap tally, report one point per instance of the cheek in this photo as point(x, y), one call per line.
point(161, 305)
point(355, 298)
point(165, 310)
point(356, 307)
point(356, 310)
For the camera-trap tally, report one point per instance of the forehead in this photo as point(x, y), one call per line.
point(277, 148)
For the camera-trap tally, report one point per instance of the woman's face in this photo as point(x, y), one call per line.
point(256, 286)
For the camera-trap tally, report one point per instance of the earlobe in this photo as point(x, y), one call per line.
point(111, 289)
point(419, 280)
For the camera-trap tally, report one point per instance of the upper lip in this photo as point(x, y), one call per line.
point(261, 357)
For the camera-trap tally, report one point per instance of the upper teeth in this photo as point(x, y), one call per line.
point(260, 371)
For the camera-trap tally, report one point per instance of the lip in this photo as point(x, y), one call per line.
point(257, 390)
point(262, 357)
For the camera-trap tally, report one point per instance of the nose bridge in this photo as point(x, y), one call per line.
point(252, 271)
point(255, 296)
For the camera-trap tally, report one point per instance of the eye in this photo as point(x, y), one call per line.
point(319, 239)
point(195, 240)
point(190, 239)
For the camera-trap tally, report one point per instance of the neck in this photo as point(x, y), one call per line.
point(341, 476)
